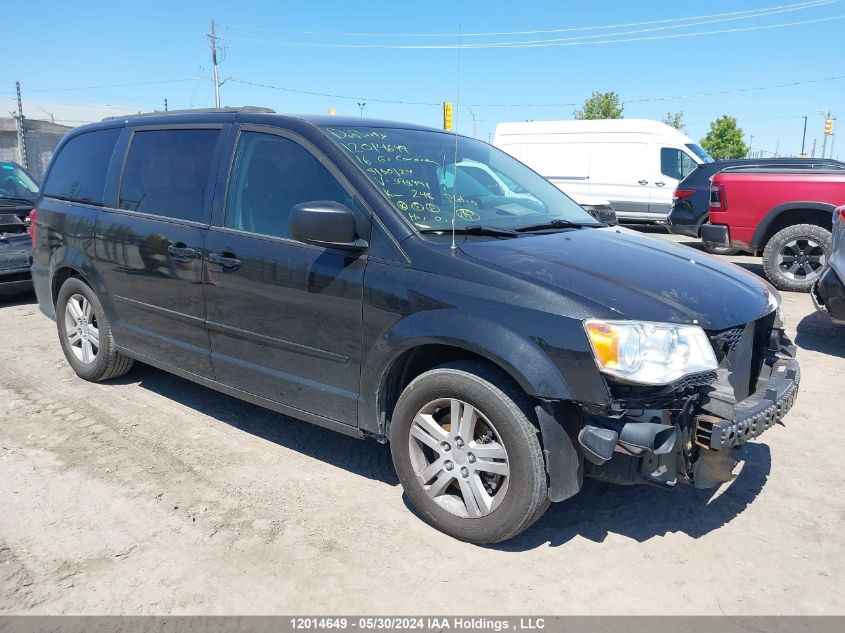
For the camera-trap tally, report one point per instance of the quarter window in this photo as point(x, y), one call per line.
point(167, 173)
point(78, 172)
point(270, 176)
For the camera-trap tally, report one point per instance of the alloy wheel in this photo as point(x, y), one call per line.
point(801, 259)
point(459, 458)
point(81, 328)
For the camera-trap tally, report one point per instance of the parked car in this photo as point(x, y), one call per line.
point(636, 164)
point(18, 191)
point(485, 182)
point(829, 290)
point(310, 265)
point(691, 200)
point(785, 214)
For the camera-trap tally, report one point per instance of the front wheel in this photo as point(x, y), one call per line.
point(796, 256)
point(467, 454)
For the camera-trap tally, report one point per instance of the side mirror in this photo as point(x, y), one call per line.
point(327, 224)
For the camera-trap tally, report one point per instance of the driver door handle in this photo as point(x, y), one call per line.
point(226, 260)
point(643, 182)
point(660, 184)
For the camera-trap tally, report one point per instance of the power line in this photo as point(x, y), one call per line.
point(749, 13)
point(540, 43)
point(542, 105)
point(333, 96)
point(121, 85)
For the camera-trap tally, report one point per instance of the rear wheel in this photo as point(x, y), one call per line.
point(85, 334)
point(467, 454)
point(796, 256)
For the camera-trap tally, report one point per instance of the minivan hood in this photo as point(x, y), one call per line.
point(634, 276)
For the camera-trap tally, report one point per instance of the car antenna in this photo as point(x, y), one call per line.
point(455, 161)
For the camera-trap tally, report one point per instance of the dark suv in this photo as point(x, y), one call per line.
point(690, 204)
point(337, 271)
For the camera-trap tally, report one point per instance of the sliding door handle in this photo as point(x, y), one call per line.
point(180, 250)
point(226, 260)
point(643, 182)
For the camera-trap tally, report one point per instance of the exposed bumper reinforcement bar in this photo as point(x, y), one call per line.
point(766, 407)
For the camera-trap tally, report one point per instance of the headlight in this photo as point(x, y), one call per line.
point(649, 353)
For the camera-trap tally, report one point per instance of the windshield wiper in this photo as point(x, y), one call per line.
point(555, 224)
point(475, 229)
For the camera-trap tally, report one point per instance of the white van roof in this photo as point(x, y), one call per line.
point(591, 126)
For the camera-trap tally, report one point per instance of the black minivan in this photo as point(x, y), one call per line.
point(341, 271)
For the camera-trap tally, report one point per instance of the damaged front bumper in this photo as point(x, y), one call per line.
point(760, 411)
point(677, 434)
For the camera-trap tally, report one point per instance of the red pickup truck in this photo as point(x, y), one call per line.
point(785, 214)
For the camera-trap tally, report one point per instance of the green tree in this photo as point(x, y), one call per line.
point(724, 140)
point(676, 120)
point(601, 105)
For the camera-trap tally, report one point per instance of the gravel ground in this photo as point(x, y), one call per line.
point(152, 495)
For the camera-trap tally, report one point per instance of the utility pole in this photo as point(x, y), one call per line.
point(804, 138)
point(21, 129)
point(213, 39)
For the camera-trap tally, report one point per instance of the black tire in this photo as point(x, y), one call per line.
point(108, 363)
point(719, 250)
point(800, 234)
point(496, 396)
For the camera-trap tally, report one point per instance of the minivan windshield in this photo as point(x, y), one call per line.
point(429, 176)
point(15, 184)
point(700, 152)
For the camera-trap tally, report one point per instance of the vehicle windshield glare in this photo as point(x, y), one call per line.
point(427, 179)
point(699, 151)
point(15, 183)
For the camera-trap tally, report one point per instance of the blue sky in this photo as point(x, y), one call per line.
point(60, 54)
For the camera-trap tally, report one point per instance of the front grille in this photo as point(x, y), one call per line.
point(602, 213)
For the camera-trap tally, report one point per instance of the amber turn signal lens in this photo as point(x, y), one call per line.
point(605, 340)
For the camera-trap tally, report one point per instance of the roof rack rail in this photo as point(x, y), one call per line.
point(193, 111)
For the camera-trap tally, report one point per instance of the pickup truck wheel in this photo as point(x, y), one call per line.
point(85, 334)
point(720, 250)
point(796, 256)
point(467, 454)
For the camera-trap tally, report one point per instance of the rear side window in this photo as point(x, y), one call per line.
point(167, 172)
point(78, 172)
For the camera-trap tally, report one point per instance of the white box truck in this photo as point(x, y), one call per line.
point(636, 164)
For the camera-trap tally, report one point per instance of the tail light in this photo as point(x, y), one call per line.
point(717, 198)
point(683, 193)
point(31, 218)
point(840, 211)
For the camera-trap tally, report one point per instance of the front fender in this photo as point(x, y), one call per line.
point(522, 358)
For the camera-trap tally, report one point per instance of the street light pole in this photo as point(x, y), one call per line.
point(361, 108)
point(804, 138)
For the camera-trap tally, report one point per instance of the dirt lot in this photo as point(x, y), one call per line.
point(154, 495)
